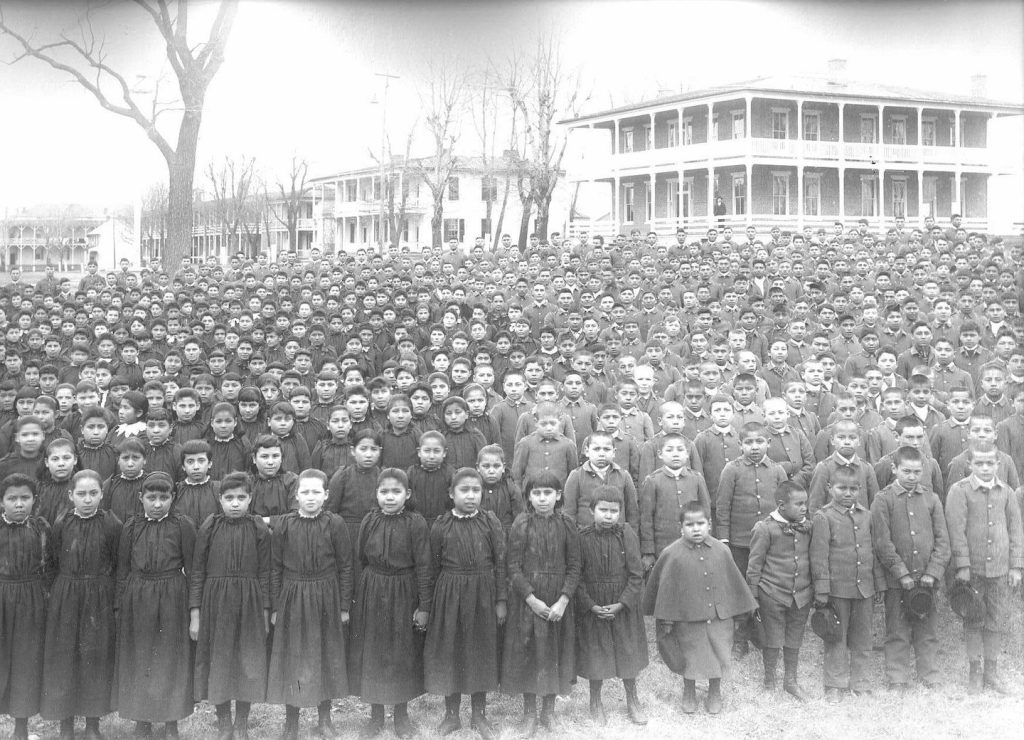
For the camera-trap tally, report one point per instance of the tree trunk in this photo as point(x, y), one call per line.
point(540, 227)
point(437, 221)
point(524, 224)
point(501, 215)
point(181, 171)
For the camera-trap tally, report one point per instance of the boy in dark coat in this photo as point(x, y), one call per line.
point(695, 637)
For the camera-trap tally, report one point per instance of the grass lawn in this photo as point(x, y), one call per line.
point(944, 713)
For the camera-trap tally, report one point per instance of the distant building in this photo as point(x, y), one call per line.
point(63, 236)
point(347, 206)
point(791, 151)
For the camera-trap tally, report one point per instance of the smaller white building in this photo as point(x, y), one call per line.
point(110, 242)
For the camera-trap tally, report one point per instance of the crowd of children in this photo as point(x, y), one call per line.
point(455, 473)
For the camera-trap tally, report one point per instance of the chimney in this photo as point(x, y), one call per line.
point(837, 72)
point(979, 86)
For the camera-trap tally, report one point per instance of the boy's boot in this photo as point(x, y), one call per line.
point(451, 722)
point(993, 680)
point(634, 708)
point(547, 711)
point(170, 730)
point(242, 720)
point(770, 658)
point(478, 719)
point(974, 680)
point(791, 659)
point(20, 729)
point(714, 700)
point(324, 726)
point(291, 723)
point(528, 727)
point(596, 707)
point(225, 729)
point(142, 729)
point(92, 729)
point(404, 728)
point(67, 729)
point(689, 696)
point(376, 724)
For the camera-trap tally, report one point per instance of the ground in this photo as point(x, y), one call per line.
point(944, 713)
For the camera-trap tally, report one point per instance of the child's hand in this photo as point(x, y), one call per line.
point(501, 612)
point(266, 621)
point(820, 602)
point(963, 574)
point(273, 618)
point(557, 611)
point(344, 617)
point(648, 561)
point(1015, 577)
point(537, 606)
point(193, 624)
point(907, 582)
point(665, 627)
point(928, 581)
point(420, 619)
point(614, 609)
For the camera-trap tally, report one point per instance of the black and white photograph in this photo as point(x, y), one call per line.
point(568, 369)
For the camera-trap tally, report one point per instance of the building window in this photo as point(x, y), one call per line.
point(868, 196)
point(488, 189)
point(739, 124)
point(453, 188)
point(485, 227)
point(899, 197)
point(812, 125)
point(739, 194)
point(930, 191)
point(780, 123)
point(812, 195)
point(952, 131)
point(687, 131)
point(780, 193)
point(628, 194)
point(627, 140)
point(672, 199)
point(868, 128)
point(928, 132)
point(648, 138)
point(899, 130)
point(376, 188)
point(351, 232)
point(350, 191)
point(673, 134)
point(686, 198)
point(714, 128)
point(454, 228)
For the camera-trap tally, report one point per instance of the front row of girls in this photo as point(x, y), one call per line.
point(465, 605)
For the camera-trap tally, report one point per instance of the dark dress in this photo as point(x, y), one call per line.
point(230, 585)
point(26, 567)
point(611, 573)
point(385, 661)
point(153, 679)
point(52, 498)
point(121, 496)
point(429, 490)
point(398, 450)
point(543, 560)
point(460, 655)
point(101, 458)
point(228, 456)
point(504, 499)
point(273, 496)
point(463, 446)
point(78, 662)
point(352, 494)
point(310, 585)
point(197, 501)
point(331, 455)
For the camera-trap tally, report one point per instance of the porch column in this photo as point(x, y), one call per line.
point(956, 132)
point(679, 127)
point(652, 201)
point(615, 138)
point(711, 122)
point(920, 134)
point(842, 196)
point(842, 138)
point(748, 187)
point(800, 196)
point(956, 205)
point(616, 207)
point(650, 144)
point(711, 196)
point(800, 121)
point(881, 196)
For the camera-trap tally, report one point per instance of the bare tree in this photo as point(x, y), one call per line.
point(486, 113)
point(542, 91)
point(397, 173)
point(444, 106)
point(83, 56)
point(154, 218)
point(293, 191)
point(231, 183)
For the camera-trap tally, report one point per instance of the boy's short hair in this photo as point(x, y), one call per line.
point(786, 490)
point(672, 437)
point(607, 493)
point(196, 447)
point(18, 480)
point(843, 474)
point(490, 450)
point(752, 428)
point(547, 410)
point(907, 454)
point(693, 507)
point(312, 474)
point(25, 421)
point(979, 447)
point(132, 444)
point(719, 398)
point(907, 422)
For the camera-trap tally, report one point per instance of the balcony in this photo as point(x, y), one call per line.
point(305, 224)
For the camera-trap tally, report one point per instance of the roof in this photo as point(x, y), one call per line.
point(465, 164)
point(817, 86)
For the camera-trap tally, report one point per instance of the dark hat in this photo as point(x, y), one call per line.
point(918, 603)
point(966, 602)
point(826, 623)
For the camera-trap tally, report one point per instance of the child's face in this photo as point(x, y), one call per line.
point(61, 462)
point(754, 446)
point(600, 452)
point(491, 468)
point(185, 408)
point(17, 503)
point(908, 473)
point(248, 410)
point(721, 413)
point(696, 527)
point(339, 424)
point(543, 499)
point(391, 495)
point(270, 393)
point(223, 425)
point(268, 461)
point(796, 396)
point(30, 439)
point(157, 431)
point(982, 430)
point(302, 405)
point(893, 406)
point(366, 453)
point(400, 415)
point(626, 397)
point(234, 502)
point(94, 431)
point(912, 436)
point(281, 424)
point(431, 453)
point(795, 509)
point(86, 496)
point(357, 406)
point(311, 496)
point(477, 403)
point(156, 504)
point(674, 454)
point(845, 441)
point(844, 493)
point(606, 514)
point(455, 417)
point(196, 466)
point(126, 413)
point(547, 426)
point(983, 465)
point(45, 414)
point(744, 393)
point(130, 464)
point(466, 495)
point(993, 382)
point(960, 405)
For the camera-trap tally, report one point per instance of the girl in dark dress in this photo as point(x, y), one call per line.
point(311, 594)
point(544, 570)
point(229, 600)
point(400, 437)
point(385, 661)
point(78, 661)
point(610, 638)
point(273, 488)
point(430, 479)
point(460, 656)
point(25, 573)
point(352, 491)
point(227, 450)
point(153, 678)
point(195, 495)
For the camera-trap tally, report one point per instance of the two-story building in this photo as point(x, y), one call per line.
point(348, 211)
point(793, 152)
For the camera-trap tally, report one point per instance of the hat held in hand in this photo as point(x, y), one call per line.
point(965, 601)
point(826, 623)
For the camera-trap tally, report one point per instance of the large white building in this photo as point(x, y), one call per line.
point(347, 207)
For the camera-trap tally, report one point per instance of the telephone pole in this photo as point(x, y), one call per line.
point(383, 139)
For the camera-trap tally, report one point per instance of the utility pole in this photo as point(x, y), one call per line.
point(383, 138)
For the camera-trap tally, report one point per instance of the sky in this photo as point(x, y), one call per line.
point(300, 76)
